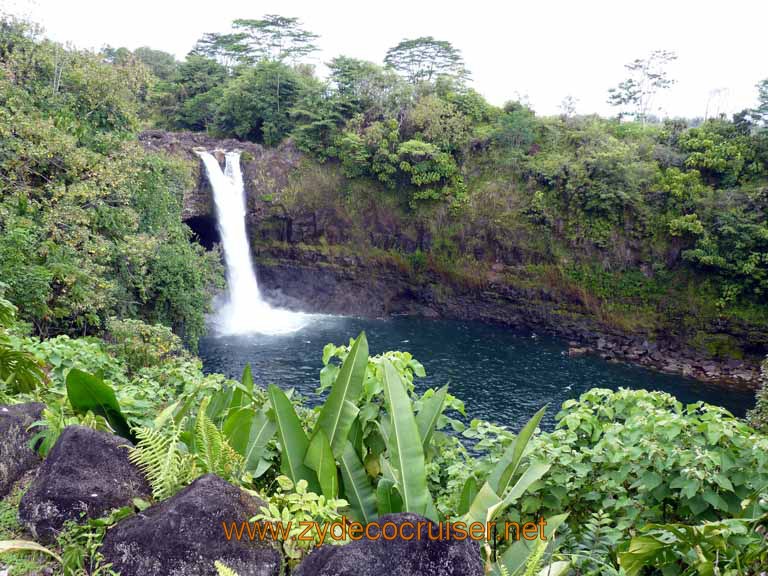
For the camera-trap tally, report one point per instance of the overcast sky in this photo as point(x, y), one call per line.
point(539, 49)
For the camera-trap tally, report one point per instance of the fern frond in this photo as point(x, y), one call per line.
point(158, 456)
point(213, 452)
point(208, 442)
point(223, 570)
point(536, 561)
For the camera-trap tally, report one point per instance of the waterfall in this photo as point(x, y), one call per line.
point(244, 311)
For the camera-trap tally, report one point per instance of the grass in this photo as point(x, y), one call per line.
point(18, 563)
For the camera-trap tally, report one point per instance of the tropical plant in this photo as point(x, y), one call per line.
point(366, 432)
point(19, 370)
point(140, 345)
point(56, 416)
point(729, 547)
point(293, 505)
point(507, 483)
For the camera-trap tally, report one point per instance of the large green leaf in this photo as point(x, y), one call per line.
point(533, 473)
point(219, 404)
point(468, 494)
point(427, 417)
point(387, 497)
point(243, 393)
point(237, 428)
point(89, 393)
point(404, 443)
point(510, 461)
point(357, 487)
point(488, 505)
point(25, 546)
point(643, 551)
point(249, 433)
point(340, 409)
point(320, 459)
point(293, 440)
point(485, 501)
point(262, 430)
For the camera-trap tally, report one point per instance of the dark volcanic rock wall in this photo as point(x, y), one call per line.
point(315, 281)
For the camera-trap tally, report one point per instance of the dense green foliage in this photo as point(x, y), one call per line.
point(91, 224)
point(627, 479)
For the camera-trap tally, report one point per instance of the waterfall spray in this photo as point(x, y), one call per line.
point(244, 311)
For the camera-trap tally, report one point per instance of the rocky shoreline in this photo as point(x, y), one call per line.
point(313, 282)
point(688, 363)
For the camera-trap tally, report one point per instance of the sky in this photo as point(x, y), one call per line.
point(539, 50)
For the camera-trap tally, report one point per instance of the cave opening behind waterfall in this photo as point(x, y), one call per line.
point(205, 230)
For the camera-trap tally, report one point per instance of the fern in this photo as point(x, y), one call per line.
point(223, 570)
point(536, 561)
point(160, 455)
point(503, 570)
point(157, 455)
point(209, 445)
point(212, 451)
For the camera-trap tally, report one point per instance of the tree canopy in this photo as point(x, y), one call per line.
point(424, 59)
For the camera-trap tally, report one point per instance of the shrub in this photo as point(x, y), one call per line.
point(141, 345)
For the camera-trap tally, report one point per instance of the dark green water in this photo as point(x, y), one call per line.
point(502, 376)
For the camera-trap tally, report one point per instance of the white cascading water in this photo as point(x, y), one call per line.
point(244, 311)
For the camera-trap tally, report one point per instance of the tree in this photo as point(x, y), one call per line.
point(424, 59)
point(368, 88)
point(226, 49)
point(761, 112)
point(249, 107)
point(276, 38)
point(647, 77)
point(189, 102)
point(162, 64)
point(568, 106)
point(516, 128)
point(438, 122)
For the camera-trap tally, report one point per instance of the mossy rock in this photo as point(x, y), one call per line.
point(717, 345)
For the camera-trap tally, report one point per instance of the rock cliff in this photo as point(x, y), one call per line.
point(325, 243)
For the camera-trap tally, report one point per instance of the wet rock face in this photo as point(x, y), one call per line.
point(16, 456)
point(86, 474)
point(265, 170)
point(294, 277)
point(418, 556)
point(183, 536)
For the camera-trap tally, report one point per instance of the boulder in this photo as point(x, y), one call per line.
point(418, 556)
point(86, 474)
point(16, 456)
point(183, 536)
